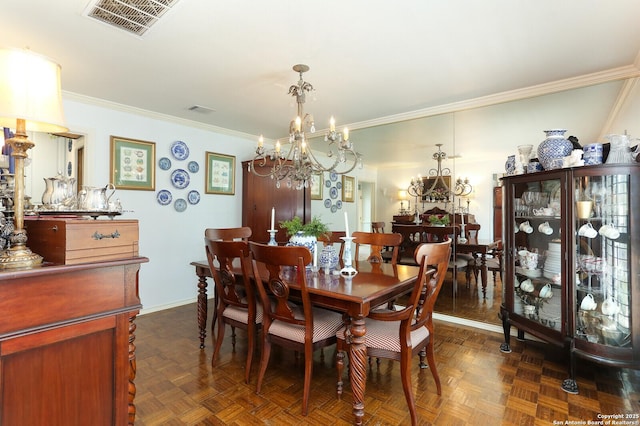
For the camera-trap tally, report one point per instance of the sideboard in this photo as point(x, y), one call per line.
point(67, 352)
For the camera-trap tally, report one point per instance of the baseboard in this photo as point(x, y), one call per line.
point(144, 311)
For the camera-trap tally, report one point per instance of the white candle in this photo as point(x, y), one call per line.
point(315, 255)
point(462, 216)
point(273, 218)
point(346, 224)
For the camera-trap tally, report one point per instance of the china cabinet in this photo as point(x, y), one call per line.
point(572, 262)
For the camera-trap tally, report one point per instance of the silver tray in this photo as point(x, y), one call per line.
point(74, 213)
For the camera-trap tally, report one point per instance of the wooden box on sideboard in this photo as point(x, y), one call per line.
point(70, 241)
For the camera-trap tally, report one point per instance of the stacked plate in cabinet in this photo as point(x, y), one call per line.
point(552, 263)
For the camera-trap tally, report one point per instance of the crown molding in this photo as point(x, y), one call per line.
point(154, 115)
point(621, 73)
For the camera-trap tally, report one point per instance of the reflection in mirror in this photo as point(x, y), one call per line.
point(51, 156)
point(478, 141)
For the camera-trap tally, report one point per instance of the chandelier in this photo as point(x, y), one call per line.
point(296, 163)
point(439, 189)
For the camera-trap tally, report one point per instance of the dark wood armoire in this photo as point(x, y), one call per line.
point(260, 195)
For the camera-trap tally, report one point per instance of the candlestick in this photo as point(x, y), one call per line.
point(273, 218)
point(272, 238)
point(348, 270)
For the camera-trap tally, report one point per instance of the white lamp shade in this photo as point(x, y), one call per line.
point(30, 90)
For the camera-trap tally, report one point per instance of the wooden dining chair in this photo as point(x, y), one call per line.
point(228, 234)
point(457, 263)
point(301, 328)
point(236, 297)
point(400, 335)
point(471, 231)
point(377, 242)
point(225, 234)
point(335, 237)
point(377, 227)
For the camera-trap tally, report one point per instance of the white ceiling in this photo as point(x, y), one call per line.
point(371, 61)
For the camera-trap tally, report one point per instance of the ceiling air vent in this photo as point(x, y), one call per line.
point(133, 16)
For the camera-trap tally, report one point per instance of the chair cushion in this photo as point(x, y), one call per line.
point(325, 324)
point(241, 314)
point(386, 335)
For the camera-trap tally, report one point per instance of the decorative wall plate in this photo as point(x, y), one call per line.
point(327, 203)
point(339, 185)
point(180, 178)
point(193, 197)
point(327, 183)
point(164, 163)
point(164, 197)
point(180, 205)
point(333, 193)
point(334, 208)
point(333, 176)
point(339, 204)
point(193, 166)
point(180, 150)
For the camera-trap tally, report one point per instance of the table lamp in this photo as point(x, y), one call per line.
point(30, 100)
point(402, 196)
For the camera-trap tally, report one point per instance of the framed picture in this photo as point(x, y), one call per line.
point(348, 188)
point(317, 181)
point(440, 192)
point(133, 164)
point(220, 174)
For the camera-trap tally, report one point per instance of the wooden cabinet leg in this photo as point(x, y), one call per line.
point(132, 370)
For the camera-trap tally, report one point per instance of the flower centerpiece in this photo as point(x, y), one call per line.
point(438, 219)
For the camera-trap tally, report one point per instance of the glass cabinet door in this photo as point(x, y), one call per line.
point(602, 268)
point(538, 266)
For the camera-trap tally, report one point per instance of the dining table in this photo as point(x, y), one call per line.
point(375, 284)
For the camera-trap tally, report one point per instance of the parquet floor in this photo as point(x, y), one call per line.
point(176, 384)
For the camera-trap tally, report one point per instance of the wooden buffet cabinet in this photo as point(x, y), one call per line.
point(572, 262)
point(67, 352)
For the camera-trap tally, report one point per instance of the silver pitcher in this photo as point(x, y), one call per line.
point(92, 198)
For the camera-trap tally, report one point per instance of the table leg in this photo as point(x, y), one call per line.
point(202, 308)
point(358, 367)
point(484, 273)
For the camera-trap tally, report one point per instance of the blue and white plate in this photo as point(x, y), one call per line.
point(164, 163)
point(339, 204)
point(333, 193)
point(164, 197)
point(327, 203)
point(334, 208)
point(193, 166)
point(333, 176)
point(180, 178)
point(193, 197)
point(339, 185)
point(180, 150)
point(327, 183)
point(180, 205)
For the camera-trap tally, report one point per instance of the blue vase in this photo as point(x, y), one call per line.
point(553, 149)
point(510, 165)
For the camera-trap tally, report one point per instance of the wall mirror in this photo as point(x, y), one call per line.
point(477, 141)
point(52, 155)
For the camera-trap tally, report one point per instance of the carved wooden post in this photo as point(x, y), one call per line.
point(132, 370)
point(357, 371)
